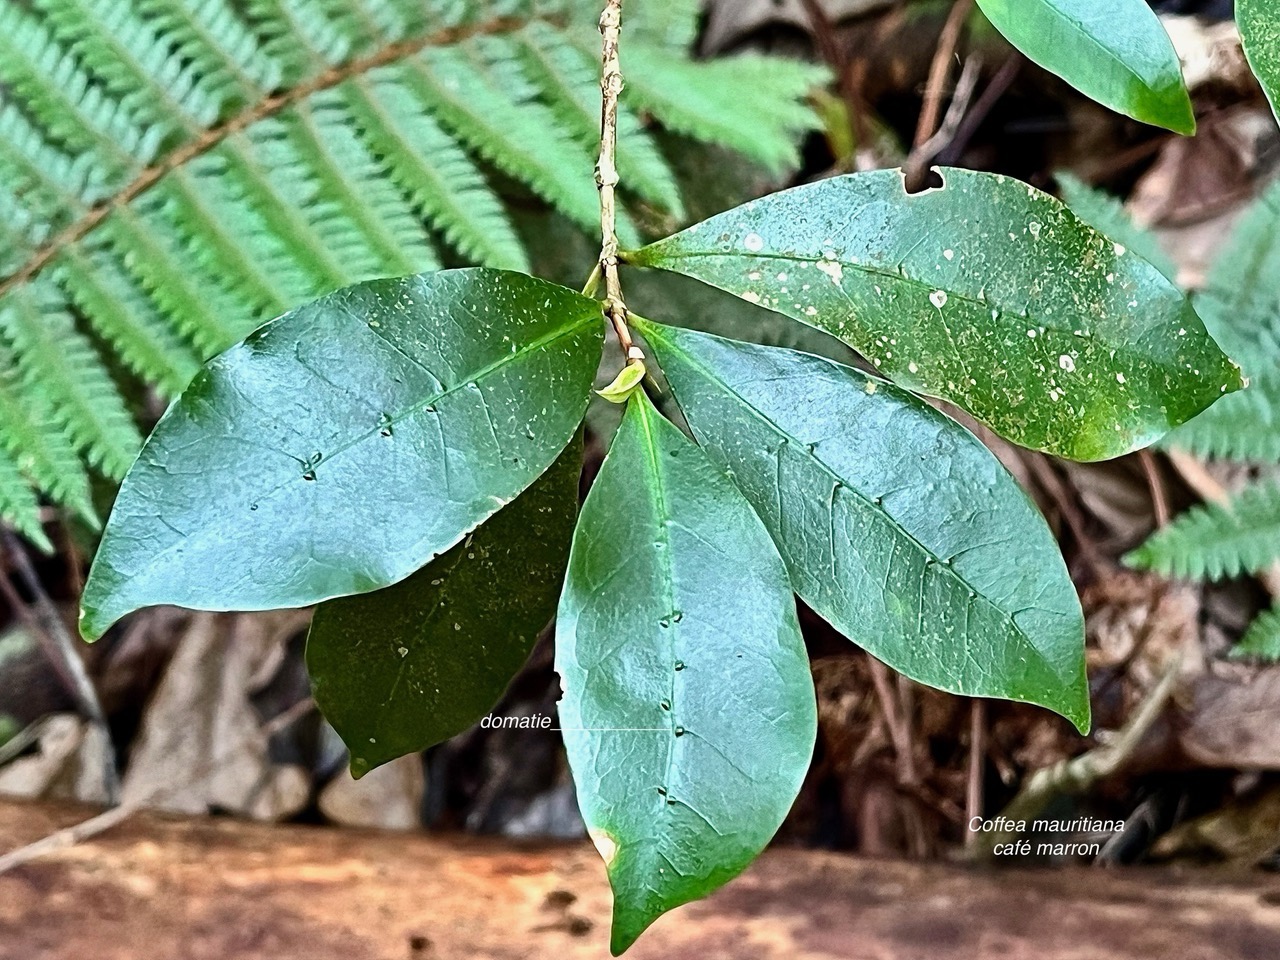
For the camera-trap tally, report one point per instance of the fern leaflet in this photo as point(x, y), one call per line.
point(175, 172)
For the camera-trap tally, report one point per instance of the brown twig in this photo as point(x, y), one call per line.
point(1159, 501)
point(974, 117)
point(61, 651)
point(935, 86)
point(977, 750)
point(87, 829)
point(1043, 471)
point(824, 38)
point(916, 167)
point(929, 138)
point(607, 177)
point(898, 732)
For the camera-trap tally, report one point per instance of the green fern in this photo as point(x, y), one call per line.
point(1262, 639)
point(1213, 541)
point(174, 172)
point(1240, 304)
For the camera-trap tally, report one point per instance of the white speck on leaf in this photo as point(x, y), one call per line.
point(832, 269)
point(607, 846)
point(753, 242)
point(938, 298)
point(1066, 363)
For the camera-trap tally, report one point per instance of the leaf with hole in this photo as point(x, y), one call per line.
point(1115, 52)
point(688, 710)
point(341, 447)
point(985, 292)
point(897, 525)
point(404, 668)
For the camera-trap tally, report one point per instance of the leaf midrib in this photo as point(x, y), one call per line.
point(659, 501)
point(875, 511)
point(1110, 54)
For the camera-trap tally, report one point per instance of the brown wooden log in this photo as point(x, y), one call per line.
point(206, 889)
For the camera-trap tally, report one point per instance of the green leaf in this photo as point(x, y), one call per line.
point(985, 292)
point(1107, 214)
point(342, 446)
point(1259, 23)
point(688, 710)
point(404, 668)
point(897, 525)
point(1114, 52)
point(625, 383)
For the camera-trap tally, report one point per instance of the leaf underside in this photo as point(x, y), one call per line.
point(404, 668)
point(341, 447)
point(688, 709)
point(985, 292)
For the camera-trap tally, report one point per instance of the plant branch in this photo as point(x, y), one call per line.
point(61, 650)
point(607, 177)
point(1079, 774)
point(927, 141)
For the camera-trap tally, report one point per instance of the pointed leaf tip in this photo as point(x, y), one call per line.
point(688, 741)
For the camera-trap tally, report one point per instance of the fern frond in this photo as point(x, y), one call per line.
point(120, 312)
point(175, 172)
point(300, 35)
point(1106, 214)
point(65, 100)
point(428, 164)
point(1262, 639)
point(1241, 300)
point(131, 59)
point(1244, 425)
point(59, 363)
point(508, 127)
point(1212, 541)
point(219, 45)
point(706, 101)
point(30, 435)
point(18, 503)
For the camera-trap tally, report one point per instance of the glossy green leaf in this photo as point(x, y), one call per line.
point(985, 292)
point(344, 445)
point(688, 710)
point(897, 525)
point(1259, 23)
point(1114, 51)
point(403, 668)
